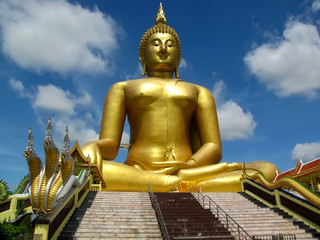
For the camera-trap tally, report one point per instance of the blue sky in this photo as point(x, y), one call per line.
point(260, 59)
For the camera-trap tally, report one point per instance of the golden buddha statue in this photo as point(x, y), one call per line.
point(174, 130)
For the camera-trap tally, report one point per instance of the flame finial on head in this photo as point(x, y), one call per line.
point(161, 18)
point(30, 143)
point(66, 142)
point(49, 131)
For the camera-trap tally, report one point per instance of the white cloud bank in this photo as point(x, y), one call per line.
point(71, 110)
point(57, 36)
point(54, 99)
point(50, 99)
point(291, 65)
point(316, 6)
point(234, 122)
point(306, 151)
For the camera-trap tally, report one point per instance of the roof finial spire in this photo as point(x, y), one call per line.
point(161, 18)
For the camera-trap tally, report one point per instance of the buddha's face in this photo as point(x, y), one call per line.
point(161, 53)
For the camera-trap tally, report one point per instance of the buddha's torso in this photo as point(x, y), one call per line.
point(160, 113)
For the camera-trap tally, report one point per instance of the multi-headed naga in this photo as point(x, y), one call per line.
point(49, 183)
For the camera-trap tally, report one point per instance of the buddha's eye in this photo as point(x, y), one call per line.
point(169, 44)
point(156, 43)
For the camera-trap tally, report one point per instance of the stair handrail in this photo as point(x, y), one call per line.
point(284, 201)
point(228, 220)
point(155, 205)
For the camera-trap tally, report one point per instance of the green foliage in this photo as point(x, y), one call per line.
point(26, 221)
point(10, 231)
point(22, 185)
point(4, 190)
point(20, 207)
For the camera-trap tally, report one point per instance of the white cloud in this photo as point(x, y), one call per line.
point(233, 121)
point(54, 99)
point(137, 74)
point(218, 92)
point(291, 65)
point(125, 137)
point(51, 98)
point(316, 6)
point(306, 151)
point(80, 129)
point(57, 36)
point(183, 64)
point(18, 87)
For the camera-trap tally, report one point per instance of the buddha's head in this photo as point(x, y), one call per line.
point(160, 47)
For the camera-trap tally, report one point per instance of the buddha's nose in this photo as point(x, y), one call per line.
point(163, 53)
point(163, 49)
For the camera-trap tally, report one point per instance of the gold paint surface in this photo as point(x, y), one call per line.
point(34, 170)
point(173, 125)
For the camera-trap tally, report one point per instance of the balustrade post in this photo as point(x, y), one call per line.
point(42, 229)
point(227, 223)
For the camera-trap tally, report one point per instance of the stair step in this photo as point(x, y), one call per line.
point(129, 215)
point(113, 215)
point(184, 216)
point(254, 219)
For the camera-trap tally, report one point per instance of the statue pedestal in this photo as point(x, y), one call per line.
point(189, 186)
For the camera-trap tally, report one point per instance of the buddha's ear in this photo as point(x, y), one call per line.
point(144, 67)
point(176, 71)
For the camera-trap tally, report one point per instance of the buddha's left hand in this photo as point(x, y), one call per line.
point(171, 167)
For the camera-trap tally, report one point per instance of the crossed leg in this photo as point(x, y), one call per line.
point(213, 178)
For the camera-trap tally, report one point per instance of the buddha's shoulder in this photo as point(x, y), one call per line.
point(134, 83)
point(129, 82)
point(124, 84)
point(199, 88)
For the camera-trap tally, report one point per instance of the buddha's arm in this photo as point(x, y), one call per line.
point(208, 127)
point(113, 117)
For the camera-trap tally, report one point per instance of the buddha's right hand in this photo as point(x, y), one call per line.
point(172, 167)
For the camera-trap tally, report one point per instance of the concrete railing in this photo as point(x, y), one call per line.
point(295, 206)
point(8, 207)
point(51, 228)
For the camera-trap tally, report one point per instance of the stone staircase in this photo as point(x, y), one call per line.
point(254, 219)
point(185, 218)
point(113, 215)
point(129, 215)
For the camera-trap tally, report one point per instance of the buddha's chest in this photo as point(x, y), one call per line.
point(161, 94)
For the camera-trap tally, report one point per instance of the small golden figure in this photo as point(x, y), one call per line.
point(173, 125)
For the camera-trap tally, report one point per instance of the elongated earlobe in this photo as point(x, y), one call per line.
point(177, 71)
point(143, 68)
